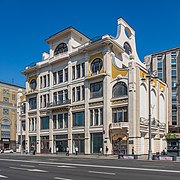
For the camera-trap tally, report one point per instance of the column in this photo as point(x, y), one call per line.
point(51, 140)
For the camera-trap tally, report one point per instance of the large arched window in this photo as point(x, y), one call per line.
point(5, 128)
point(119, 90)
point(127, 48)
point(96, 65)
point(60, 49)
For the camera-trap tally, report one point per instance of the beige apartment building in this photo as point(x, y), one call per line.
point(93, 94)
point(8, 115)
point(167, 64)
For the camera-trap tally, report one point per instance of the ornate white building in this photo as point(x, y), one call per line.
point(92, 94)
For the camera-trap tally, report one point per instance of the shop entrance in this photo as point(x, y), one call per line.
point(119, 144)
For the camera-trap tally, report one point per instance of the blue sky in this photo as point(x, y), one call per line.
point(24, 25)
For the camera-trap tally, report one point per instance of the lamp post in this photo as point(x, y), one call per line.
point(20, 115)
point(150, 73)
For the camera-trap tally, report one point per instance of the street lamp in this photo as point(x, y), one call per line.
point(150, 75)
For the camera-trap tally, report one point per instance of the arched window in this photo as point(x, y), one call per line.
point(60, 49)
point(5, 128)
point(96, 65)
point(119, 90)
point(127, 48)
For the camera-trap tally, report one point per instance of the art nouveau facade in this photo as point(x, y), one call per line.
point(93, 94)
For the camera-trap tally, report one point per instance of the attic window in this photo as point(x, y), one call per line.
point(127, 48)
point(61, 48)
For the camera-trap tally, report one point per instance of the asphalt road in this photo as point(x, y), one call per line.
point(17, 167)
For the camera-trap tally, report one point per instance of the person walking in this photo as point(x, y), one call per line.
point(107, 150)
point(132, 150)
point(67, 151)
point(76, 150)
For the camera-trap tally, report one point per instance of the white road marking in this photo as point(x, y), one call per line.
point(95, 166)
point(97, 172)
point(66, 166)
point(31, 170)
point(61, 178)
point(56, 166)
point(27, 165)
point(1, 176)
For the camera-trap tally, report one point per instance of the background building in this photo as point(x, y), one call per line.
point(167, 65)
point(91, 94)
point(8, 115)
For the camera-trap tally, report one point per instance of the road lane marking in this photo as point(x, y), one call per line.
point(31, 170)
point(63, 166)
point(27, 166)
point(1, 176)
point(66, 166)
point(94, 166)
point(61, 178)
point(97, 172)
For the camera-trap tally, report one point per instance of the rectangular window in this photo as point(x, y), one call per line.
point(101, 116)
point(13, 97)
point(55, 97)
point(48, 78)
point(5, 91)
point(83, 92)
point(120, 115)
point(66, 74)
point(78, 93)
point(60, 97)
point(60, 76)
point(32, 103)
point(66, 95)
point(73, 94)
point(6, 111)
point(54, 78)
point(96, 117)
point(41, 82)
point(44, 77)
point(5, 99)
point(44, 97)
point(54, 122)
point(45, 122)
point(96, 90)
point(66, 120)
point(60, 121)
point(83, 69)
point(73, 72)
point(78, 72)
point(78, 119)
point(91, 117)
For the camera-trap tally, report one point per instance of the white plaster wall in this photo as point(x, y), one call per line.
point(143, 101)
point(161, 109)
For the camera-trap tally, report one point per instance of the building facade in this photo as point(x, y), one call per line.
point(8, 115)
point(93, 94)
point(167, 65)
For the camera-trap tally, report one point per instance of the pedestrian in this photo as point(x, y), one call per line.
point(67, 151)
point(100, 151)
point(50, 150)
point(165, 151)
point(26, 150)
point(132, 150)
point(107, 150)
point(76, 150)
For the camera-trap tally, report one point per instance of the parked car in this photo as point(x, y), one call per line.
point(8, 150)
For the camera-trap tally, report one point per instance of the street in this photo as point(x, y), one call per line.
point(69, 168)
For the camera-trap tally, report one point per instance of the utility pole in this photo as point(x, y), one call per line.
point(150, 77)
point(20, 115)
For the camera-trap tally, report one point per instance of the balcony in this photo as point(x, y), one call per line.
point(119, 125)
point(55, 104)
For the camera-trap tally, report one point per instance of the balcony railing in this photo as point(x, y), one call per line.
point(154, 123)
point(119, 125)
point(59, 103)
